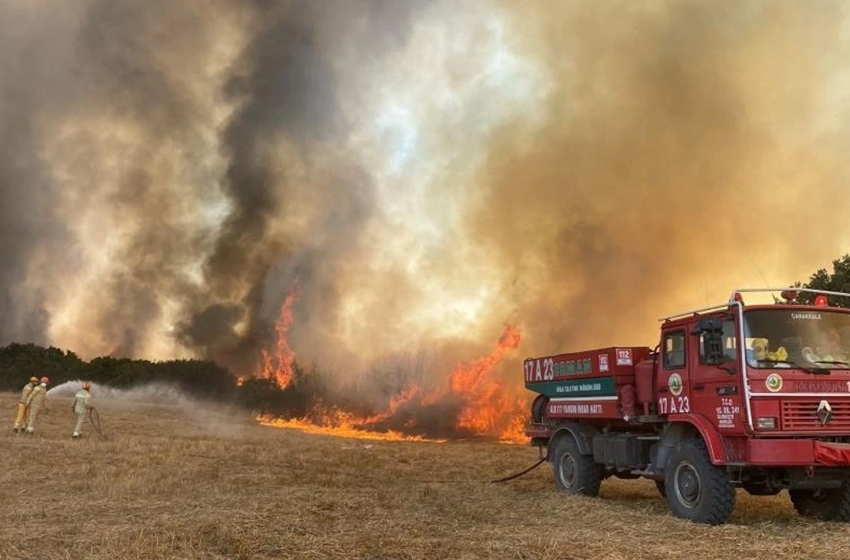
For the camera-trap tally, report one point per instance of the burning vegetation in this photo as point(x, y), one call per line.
point(473, 403)
point(278, 366)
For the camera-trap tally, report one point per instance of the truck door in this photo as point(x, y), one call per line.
point(673, 380)
point(716, 388)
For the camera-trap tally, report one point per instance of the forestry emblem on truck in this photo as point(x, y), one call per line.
point(675, 384)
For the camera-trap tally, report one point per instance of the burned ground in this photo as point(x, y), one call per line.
point(199, 483)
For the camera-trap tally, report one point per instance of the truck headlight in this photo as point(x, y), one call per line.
point(767, 423)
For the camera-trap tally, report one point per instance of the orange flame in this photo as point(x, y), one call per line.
point(489, 408)
point(396, 403)
point(240, 381)
point(335, 422)
point(466, 377)
point(279, 366)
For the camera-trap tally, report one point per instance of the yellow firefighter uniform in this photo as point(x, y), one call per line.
point(80, 407)
point(21, 417)
point(36, 400)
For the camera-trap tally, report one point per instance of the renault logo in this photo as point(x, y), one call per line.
point(824, 412)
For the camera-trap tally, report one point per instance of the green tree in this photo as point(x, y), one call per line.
point(19, 362)
point(837, 281)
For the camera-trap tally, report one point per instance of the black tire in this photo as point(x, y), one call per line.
point(661, 488)
point(575, 473)
point(827, 504)
point(697, 490)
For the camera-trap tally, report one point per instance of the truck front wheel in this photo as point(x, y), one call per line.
point(575, 473)
point(697, 490)
point(826, 504)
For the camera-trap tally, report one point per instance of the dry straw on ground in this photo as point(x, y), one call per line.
point(201, 483)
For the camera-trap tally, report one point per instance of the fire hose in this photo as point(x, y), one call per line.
point(519, 474)
point(497, 481)
point(94, 419)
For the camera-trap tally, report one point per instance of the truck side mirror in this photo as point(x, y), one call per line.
point(709, 324)
point(711, 331)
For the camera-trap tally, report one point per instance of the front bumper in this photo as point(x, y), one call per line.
point(796, 452)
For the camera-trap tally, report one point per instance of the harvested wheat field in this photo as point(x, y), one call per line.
point(193, 482)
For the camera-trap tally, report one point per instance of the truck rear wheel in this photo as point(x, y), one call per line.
point(697, 490)
point(575, 473)
point(826, 504)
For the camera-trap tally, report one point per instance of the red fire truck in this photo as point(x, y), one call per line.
point(734, 396)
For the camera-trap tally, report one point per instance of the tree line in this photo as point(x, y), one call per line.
point(201, 378)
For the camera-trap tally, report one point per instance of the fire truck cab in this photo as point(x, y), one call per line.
point(733, 396)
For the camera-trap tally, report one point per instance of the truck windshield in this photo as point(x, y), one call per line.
point(819, 337)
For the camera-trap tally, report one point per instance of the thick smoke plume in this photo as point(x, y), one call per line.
point(422, 173)
point(688, 148)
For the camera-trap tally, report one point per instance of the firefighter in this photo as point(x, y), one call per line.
point(21, 417)
point(81, 407)
point(37, 400)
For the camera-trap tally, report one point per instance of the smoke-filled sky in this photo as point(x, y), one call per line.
point(420, 172)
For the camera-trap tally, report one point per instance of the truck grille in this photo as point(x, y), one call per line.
point(802, 415)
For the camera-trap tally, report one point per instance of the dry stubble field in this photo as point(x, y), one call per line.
point(198, 483)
